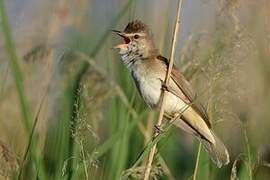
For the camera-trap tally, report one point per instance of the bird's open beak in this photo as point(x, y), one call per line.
point(125, 38)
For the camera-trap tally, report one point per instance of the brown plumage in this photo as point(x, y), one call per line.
point(186, 88)
point(135, 27)
point(148, 70)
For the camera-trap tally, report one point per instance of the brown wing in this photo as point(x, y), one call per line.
point(186, 89)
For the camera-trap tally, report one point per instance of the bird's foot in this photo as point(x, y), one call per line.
point(158, 129)
point(164, 87)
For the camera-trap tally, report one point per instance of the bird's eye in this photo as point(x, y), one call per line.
point(136, 36)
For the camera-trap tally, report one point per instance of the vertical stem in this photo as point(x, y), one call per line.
point(18, 77)
point(197, 162)
point(149, 126)
point(13, 60)
point(248, 152)
point(84, 161)
point(163, 98)
point(31, 138)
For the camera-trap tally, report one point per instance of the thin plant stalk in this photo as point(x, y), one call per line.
point(18, 77)
point(31, 137)
point(163, 98)
point(84, 161)
point(248, 152)
point(13, 59)
point(197, 162)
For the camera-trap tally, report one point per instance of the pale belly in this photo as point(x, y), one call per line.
point(150, 90)
point(148, 82)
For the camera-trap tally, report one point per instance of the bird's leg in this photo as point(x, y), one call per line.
point(167, 88)
point(164, 87)
point(170, 119)
point(160, 128)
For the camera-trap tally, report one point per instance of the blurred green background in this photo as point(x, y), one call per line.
point(69, 108)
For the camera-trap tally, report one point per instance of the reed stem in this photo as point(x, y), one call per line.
point(163, 97)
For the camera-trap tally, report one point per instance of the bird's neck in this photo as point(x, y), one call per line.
point(132, 57)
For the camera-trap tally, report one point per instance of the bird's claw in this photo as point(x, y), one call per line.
point(164, 87)
point(158, 129)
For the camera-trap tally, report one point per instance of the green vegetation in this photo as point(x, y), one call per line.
point(69, 108)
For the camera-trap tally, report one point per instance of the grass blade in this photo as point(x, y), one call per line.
point(60, 143)
point(13, 59)
point(18, 77)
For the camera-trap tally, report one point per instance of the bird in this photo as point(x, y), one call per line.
point(148, 69)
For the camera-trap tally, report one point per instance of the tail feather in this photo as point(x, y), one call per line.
point(217, 152)
point(211, 143)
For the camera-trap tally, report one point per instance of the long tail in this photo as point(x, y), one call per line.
point(217, 152)
point(212, 144)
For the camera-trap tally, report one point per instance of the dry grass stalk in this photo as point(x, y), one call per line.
point(163, 98)
point(197, 162)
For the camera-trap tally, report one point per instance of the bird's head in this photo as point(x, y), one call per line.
point(137, 42)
